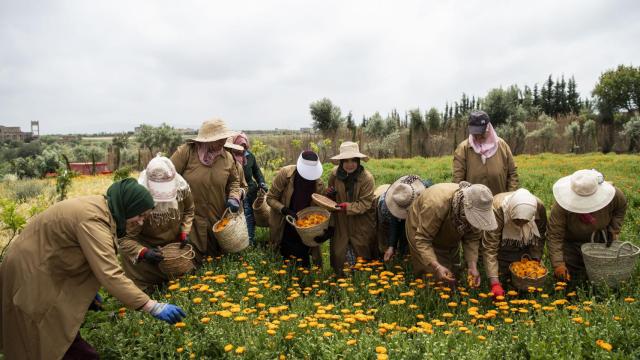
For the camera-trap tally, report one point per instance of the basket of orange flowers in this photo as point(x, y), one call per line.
point(527, 273)
point(231, 232)
point(312, 222)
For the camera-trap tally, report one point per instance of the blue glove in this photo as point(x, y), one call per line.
point(233, 204)
point(264, 187)
point(96, 304)
point(167, 312)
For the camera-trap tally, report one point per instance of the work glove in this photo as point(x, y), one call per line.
point(326, 235)
point(233, 204)
point(342, 206)
point(389, 253)
point(330, 192)
point(152, 256)
point(496, 289)
point(264, 187)
point(167, 312)
point(184, 239)
point(96, 303)
point(562, 273)
point(286, 211)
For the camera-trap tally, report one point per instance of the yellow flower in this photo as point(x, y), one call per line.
point(452, 304)
point(382, 357)
point(481, 338)
point(174, 287)
point(351, 342)
point(604, 345)
point(242, 275)
point(205, 320)
point(179, 350)
point(381, 350)
point(327, 334)
point(240, 350)
point(180, 324)
point(629, 299)
point(508, 320)
point(197, 300)
point(512, 293)
point(271, 332)
point(490, 328)
point(228, 347)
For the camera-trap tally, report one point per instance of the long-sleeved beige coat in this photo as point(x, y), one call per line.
point(210, 187)
point(431, 233)
point(150, 235)
point(492, 240)
point(51, 273)
point(355, 226)
point(499, 173)
point(565, 226)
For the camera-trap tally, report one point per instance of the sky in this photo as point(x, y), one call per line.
point(108, 66)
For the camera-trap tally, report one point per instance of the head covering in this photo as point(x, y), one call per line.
point(478, 121)
point(207, 154)
point(349, 150)
point(309, 165)
point(126, 199)
point(213, 130)
point(240, 158)
point(488, 147)
point(242, 139)
point(166, 186)
point(402, 193)
point(585, 191)
point(478, 207)
point(521, 205)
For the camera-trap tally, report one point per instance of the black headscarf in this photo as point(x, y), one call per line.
point(126, 199)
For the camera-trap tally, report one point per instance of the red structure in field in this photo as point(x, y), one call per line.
point(86, 168)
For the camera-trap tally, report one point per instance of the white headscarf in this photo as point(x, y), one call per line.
point(166, 186)
point(520, 205)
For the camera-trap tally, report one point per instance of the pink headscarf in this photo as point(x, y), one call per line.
point(487, 148)
point(242, 140)
point(206, 154)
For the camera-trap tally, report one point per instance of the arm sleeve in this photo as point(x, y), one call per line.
point(459, 164)
point(618, 212)
point(541, 223)
point(188, 212)
point(257, 173)
point(180, 159)
point(555, 234)
point(394, 233)
point(471, 246)
point(275, 191)
point(491, 246)
point(98, 246)
point(129, 244)
point(365, 198)
point(513, 183)
point(428, 226)
point(233, 181)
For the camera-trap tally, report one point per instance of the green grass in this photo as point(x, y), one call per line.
point(316, 303)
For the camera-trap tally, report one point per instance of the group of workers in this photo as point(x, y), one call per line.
point(53, 270)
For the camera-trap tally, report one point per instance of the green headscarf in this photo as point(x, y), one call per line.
point(126, 199)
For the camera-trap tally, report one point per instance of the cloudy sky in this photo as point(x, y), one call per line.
point(88, 66)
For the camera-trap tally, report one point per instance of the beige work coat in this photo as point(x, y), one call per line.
point(279, 196)
point(51, 273)
point(566, 227)
point(355, 226)
point(210, 187)
point(431, 233)
point(153, 234)
point(492, 240)
point(499, 173)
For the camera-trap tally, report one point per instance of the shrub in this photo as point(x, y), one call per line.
point(121, 173)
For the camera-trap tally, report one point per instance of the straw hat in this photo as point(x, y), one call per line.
point(583, 192)
point(478, 207)
point(401, 195)
point(349, 150)
point(213, 130)
point(230, 145)
point(309, 165)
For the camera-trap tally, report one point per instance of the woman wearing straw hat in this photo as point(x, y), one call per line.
point(253, 178)
point(53, 269)
point(392, 204)
point(352, 187)
point(585, 205)
point(237, 152)
point(169, 221)
point(522, 224)
point(291, 192)
point(439, 219)
point(484, 158)
point(214, 180)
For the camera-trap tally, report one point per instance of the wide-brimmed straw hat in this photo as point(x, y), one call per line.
point(401, 195)
point(583, 192)
point(309, 165)
point(230, 145)
point(349, 150)
point(214, 130)
point(478, 207)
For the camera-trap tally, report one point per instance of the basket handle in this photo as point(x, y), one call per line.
point(525, 256)
point(631, 246)
point(291, 220)
point(604, 235)
point(228, 213)
point(189, 255)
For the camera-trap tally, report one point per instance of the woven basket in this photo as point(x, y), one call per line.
point(609, 265)
point(523, 283)
point(324, 202)
point(177, 261)
point(234, 237)
point(261, 209)
point(308, 234)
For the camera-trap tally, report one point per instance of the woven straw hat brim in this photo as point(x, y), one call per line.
point(484, 220)
point(381, 190)
point(215, 137)
point(570, 201)
point(395, 209)
point(348, 155)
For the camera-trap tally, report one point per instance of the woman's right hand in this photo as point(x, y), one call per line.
point(389, 253)
point(444, 274)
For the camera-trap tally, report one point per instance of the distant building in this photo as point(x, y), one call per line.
point(306, 130)
point(14, 133)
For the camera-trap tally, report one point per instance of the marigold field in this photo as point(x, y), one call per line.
point(252, 305)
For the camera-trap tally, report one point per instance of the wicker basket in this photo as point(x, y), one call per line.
point(524, 283)
point(308, 234)
point(177, 261)
point(261, 209)
point(324, 202)
point(609, 265)
point(234, 237)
